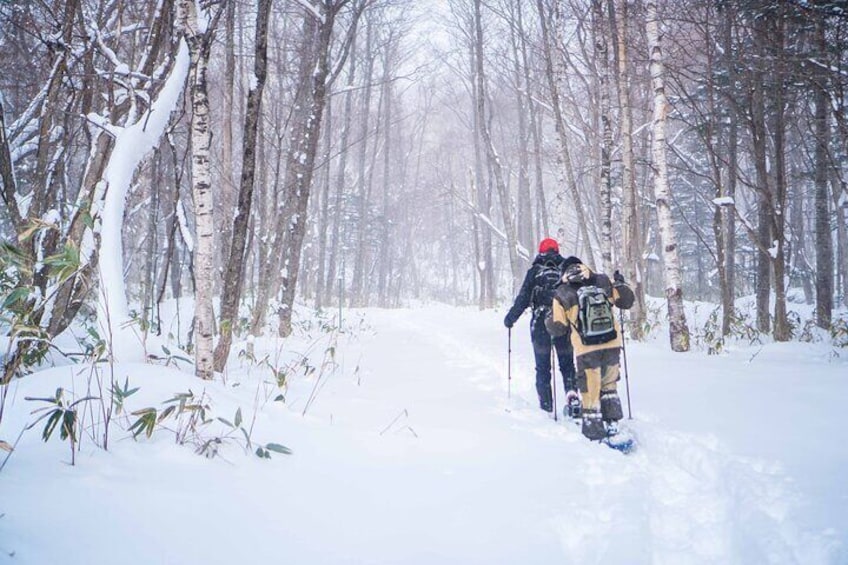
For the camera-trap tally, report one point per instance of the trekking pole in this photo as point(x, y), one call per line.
point(553, 378)
point(508, 363)
point(624, 354)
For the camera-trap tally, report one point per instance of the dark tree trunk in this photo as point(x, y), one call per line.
point(824, 237)
point(234, 275)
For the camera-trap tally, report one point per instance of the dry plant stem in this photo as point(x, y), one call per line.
point(329, 357)
point(4, 390)
point(403, 413)
point(253, 417)
point(14, 445)
point(5, 382)
point(312, 395)
point(107, 412)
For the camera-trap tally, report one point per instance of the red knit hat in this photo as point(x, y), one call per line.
point(548, 244)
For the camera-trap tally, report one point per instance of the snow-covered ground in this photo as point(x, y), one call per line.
point(408, 450)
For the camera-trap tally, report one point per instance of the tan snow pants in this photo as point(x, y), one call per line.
point(597, 371)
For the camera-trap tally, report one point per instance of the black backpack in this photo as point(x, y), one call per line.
point(548, 277)
point(595, 322)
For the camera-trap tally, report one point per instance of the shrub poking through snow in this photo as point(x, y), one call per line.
point(61, 413)
point(839, 331)
point(192, 420)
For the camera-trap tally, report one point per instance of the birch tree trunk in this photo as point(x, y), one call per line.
point(631, 237)
point(599, 29)
point(678, 330)
point(199, 45)
point(554, 74)
point(234, 275)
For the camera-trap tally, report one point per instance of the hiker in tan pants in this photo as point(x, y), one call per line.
point(584, 304)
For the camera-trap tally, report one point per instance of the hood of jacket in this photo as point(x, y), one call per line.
point(550, 256)
point(559, 260)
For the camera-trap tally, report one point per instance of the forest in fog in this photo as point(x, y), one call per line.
point(251, 155)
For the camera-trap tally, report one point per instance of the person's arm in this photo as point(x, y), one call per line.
point(622, 295)
point(557, 323)
point(563, 313)
point(522, 301)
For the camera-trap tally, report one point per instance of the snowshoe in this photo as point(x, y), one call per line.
point(619, 439)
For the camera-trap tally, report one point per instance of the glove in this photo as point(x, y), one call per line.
point(577, 273)
point(509, 322)
point(618, 277)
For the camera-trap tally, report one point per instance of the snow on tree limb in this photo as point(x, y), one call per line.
point(309, 7)
point(132, 144)
point(520, 249)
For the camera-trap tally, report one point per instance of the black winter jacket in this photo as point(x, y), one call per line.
point(530, 294)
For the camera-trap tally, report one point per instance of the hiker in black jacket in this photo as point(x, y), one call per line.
point(537, 292)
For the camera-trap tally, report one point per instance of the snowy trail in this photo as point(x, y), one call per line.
point(681, 499)
point(411, 453)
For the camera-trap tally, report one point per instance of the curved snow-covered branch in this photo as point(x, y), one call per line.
point(132, 145)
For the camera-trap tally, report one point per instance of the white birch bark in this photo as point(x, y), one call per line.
point(631, 239)
point(599, 29)
point(678, 330)
point(566, 181)
point(201, 184)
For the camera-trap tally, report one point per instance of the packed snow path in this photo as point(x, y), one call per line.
point(410, 452)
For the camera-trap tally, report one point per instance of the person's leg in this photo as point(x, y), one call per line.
point(542, 352)
point(589, 381)
point(610, 402)
point(565, 357)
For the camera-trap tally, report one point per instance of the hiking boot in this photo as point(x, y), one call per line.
point(611, 405)
point(593, 426)
point(612, 428)
point(573, 407)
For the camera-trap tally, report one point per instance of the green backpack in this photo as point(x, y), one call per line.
point(595, 322)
